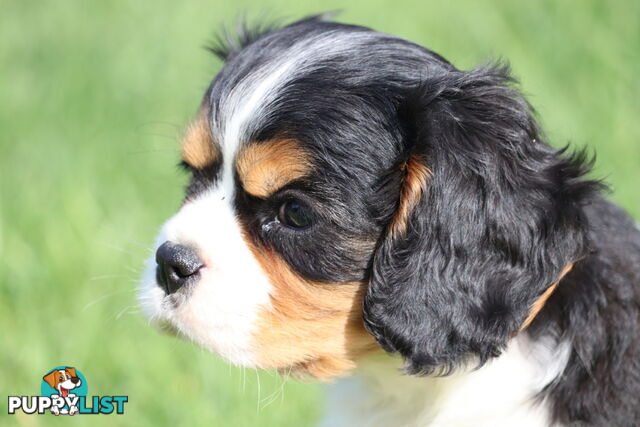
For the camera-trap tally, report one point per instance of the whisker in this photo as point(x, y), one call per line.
point(259, 390)
point(126, 311)
point(117, 248)
point(105, 296)
point(154, 150)
point(108, 276)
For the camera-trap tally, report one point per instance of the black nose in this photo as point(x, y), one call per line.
point(177, 266)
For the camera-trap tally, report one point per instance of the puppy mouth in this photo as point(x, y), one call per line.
point(176, 299)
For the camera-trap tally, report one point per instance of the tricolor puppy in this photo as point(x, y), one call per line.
point(360, 208)
point(63, 380)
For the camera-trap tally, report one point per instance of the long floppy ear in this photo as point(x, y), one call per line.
point(489, 218)
point(50, 378)
point(71, 371)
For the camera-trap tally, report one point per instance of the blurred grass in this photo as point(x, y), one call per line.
point(93, 97)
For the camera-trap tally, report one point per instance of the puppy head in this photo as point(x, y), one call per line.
point(333, 169)
point(66, 377)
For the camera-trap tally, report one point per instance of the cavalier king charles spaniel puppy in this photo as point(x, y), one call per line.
point(361, 211)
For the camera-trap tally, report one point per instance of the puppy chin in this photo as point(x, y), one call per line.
point(193, 314)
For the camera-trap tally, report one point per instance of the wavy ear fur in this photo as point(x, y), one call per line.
point(494, 225)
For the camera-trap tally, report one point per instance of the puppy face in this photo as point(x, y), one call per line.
point(63, 380)
point(284, 229)
point(335, 168)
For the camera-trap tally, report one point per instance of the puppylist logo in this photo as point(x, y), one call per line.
point(63, 391)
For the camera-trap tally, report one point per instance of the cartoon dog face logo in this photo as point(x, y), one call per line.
point(63, 380)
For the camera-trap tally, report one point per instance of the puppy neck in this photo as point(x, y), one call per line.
point(503, 392)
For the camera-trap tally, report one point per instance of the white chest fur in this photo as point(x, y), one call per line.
point(500, 394)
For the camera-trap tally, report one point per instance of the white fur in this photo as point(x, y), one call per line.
point(500, 394)
point(245, 106)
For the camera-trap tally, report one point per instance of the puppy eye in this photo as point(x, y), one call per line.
point(294, 214)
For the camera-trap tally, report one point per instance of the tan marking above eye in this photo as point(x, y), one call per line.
point(199, 149)
point(266, 167)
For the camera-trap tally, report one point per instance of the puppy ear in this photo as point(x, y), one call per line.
point(71, 371)
point(50, 378)
point(488, 219)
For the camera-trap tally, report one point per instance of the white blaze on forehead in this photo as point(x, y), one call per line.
point(245, 106)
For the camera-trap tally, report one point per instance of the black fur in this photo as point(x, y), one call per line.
point(227, 43)
point(501, 217)
point(596, 310)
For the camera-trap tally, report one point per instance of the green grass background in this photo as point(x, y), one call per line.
point(93, 95)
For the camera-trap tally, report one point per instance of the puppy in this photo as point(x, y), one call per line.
point(63, 380)
point(361, 209)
